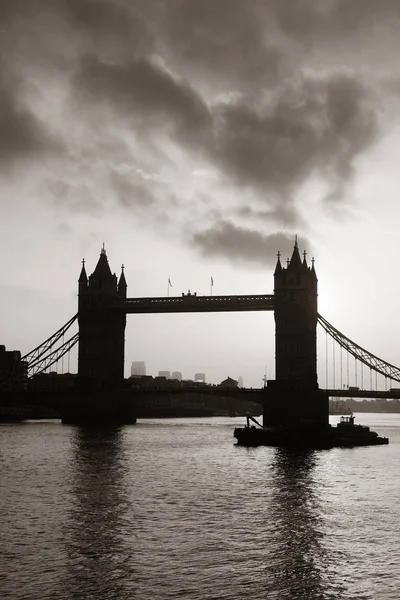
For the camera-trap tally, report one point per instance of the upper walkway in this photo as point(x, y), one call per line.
point(194, 303)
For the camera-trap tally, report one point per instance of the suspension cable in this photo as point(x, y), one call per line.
point(49, 343)
point(367, 358)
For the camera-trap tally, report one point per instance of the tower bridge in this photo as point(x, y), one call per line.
point(103, 305)
point(294, 395)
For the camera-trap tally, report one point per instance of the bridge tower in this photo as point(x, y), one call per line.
point(100, 395)
point(294, 396)
point(101, 326)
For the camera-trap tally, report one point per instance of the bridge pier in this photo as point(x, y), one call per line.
point(293, 404)
point(99, 406)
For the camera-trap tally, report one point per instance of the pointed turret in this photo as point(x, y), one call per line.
point(313, 272)
point(295, 261)
point(102, 279)
point(102, 270)
point(83, 279)
point(304, 264)
point(278, 268)
point(122, 286)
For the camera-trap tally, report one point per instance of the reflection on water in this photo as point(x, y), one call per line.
point(300, 567)
point(173, 509)
point(99, 565)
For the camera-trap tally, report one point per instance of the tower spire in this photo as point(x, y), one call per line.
point(313, 272)
point(278, 268)
point(122, 285)
point(295, 261)
point(305, 259)
point(83, 277)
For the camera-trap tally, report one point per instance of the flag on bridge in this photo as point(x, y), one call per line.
point(212, 281)
point(169, 282)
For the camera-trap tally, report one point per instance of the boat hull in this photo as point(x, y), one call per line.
point(326, 438)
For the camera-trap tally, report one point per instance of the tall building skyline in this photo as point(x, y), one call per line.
point(138, 368)
point(166, 374)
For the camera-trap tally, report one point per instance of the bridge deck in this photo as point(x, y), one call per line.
point(194, 303)
point(256, 394)
point(390, 395)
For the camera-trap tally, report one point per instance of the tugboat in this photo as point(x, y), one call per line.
point(346, 434)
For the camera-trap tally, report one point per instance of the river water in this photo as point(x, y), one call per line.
point(173, 509)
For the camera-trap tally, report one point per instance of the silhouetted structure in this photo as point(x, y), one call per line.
point(101, 329)
point(51, 381)
point(13, 370)
point(100, 394)
point(228, 383)
point(294, 396)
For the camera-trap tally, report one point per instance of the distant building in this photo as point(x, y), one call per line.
point(51, 381)
point(228, 382)
point(240, 381)
point(166, 374)
point(176, 375)
point(142, 380)
point(13, 370)
point(200, 377)
point(138, 368)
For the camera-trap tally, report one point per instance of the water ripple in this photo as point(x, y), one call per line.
point(173, 509)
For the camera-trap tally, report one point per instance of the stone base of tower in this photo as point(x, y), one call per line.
point(94, 407)
point(295, 404)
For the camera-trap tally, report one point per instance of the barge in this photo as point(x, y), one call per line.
point(346, 434)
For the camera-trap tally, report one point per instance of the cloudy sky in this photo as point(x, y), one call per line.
point(196, 138)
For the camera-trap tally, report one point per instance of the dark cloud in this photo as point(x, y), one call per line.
point(228, 241)
point(72, 197)
point(100, 25)
point(229, 85)
point(320, 125)
point(134, 192)
point(23, 135)
point(227, 44)
point(321, 21)
point(146, 93)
